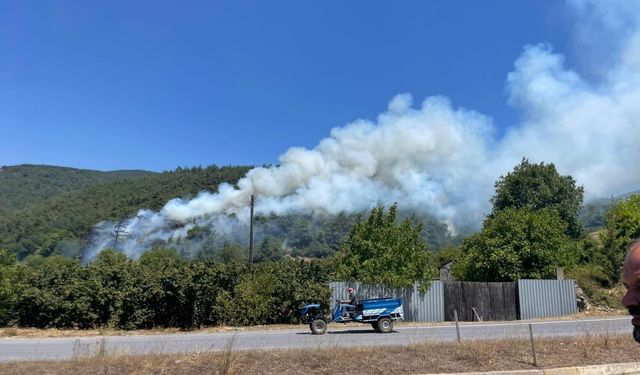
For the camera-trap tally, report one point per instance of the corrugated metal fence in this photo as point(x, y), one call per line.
point(536, 299)
point(542, 298)
point(418, 306)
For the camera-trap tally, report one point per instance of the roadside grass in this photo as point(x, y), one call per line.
point(494, 355)
point(54, 332)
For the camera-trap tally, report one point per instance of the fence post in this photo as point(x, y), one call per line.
point(533, 346)
point(455, 315)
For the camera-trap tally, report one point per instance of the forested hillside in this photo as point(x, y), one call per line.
point(592, 214)
point(59, 225)
point(48, 210)
point(203, 279)
point(25, 185)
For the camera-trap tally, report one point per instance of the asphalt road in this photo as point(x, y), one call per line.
point(13, 349)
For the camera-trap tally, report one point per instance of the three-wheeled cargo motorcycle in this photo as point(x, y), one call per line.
point(379, 312)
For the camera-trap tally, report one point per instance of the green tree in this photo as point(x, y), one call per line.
point(272, 292)
point(54, 293)
point(232, 253)
point(165, 279)
point(335, 229)
point(270, 250)
point(622, 226)
point(41, 225)
point(8, 273)
point(380, 250)
point(112, 277)
point(315, 249)
point(538, 186)
point(450, 253)
point(210, 280)
point(516, 244)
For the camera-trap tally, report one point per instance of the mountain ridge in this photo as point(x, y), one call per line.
point(26, 184)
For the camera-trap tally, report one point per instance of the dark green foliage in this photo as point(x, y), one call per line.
point(165, 280)
point(232, 253)
point(158, 290)
point(335, 229)
point(22, 186)
point(516, 244)
point(39, 229)
point(60, 221)
point(270, 249)
point(316, 249)
point(211, 281)
point(305, 235)
point(8, 273)
point(272, 292)
point(113, 278)
point(596, 285)
point(622, 226)
point(381, 251)
point(53, 292)
point(448, 254)
point(539, 186)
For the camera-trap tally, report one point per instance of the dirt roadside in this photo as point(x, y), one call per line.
point(497, 355)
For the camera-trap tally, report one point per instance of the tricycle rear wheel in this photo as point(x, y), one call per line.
point(318, 326)
point(385, 325)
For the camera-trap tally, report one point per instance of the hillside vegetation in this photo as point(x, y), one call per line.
point(532, 230)
point(60, 224)
point(22, 186)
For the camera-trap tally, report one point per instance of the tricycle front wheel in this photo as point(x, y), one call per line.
point(318, 326)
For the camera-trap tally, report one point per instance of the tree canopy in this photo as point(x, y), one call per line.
point(25, 185)
point(8, 268)
point(515, 244)
point(379, 250)
point(59, 225)
point(622, 226)
point(539, 186)
point(158, 290)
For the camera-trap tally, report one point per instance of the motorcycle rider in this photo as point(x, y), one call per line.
point(348, 304)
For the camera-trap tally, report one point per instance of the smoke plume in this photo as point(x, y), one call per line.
point(440, 159)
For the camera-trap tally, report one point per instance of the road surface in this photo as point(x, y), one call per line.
point(15, 349)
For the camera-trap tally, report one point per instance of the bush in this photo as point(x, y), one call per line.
point(595, 284)
point(516, 244)
point(8, 269)
point(159, 290)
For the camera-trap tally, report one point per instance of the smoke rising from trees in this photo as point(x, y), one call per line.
point(437, 158)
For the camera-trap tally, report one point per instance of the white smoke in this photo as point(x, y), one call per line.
point(590, 130)
point(441, 159)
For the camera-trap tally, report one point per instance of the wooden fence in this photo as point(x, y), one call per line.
point(476, 300)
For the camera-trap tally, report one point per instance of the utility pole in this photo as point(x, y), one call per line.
point(120, 233)
point(251, 230)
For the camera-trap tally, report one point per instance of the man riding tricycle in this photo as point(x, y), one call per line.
point(379, 312)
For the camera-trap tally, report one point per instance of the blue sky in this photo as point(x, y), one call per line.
point(157, 85)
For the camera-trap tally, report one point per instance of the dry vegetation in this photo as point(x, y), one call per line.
point(416, 358)
point(99, 332)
